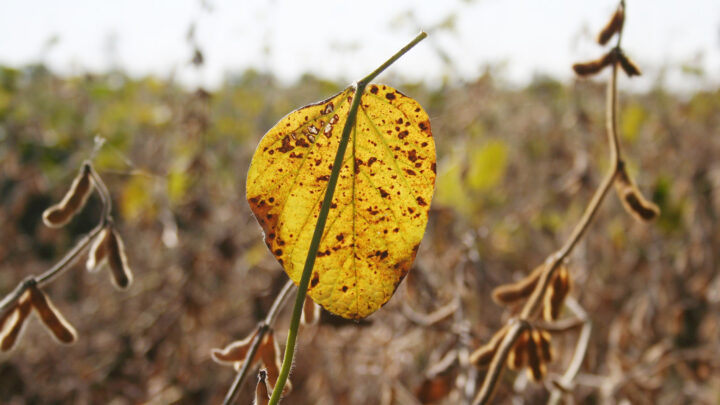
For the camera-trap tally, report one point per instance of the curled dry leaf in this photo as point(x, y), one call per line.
point(50, 316)
point(13, 321)
point(311, 312)
point(380, 208)
point(60, 213)
point(633, 200)
point(556, 293)
point(612, 27)
point(117, 261)
point(510, 293)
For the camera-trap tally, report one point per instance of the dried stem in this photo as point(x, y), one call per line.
point(70, 257)
point(262, 328)
point(553, 261)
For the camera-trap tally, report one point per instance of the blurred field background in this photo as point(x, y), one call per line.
point(516, 167)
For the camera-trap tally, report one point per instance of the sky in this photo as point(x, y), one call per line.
point(345, 40)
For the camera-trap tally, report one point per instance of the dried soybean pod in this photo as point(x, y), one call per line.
point(50, 316)
point(542, 340)
point(517, 356)
point(612, 27)
point(235, 352)
point(595, 66)
point(628, 66)
point(536, 367)
point(270, 355)
point(60, 213)
point(14, 323)
point(311, 312)
point(556, 293)
point(262, 396)
point(510, 293)
point(98, 250)
point(633, 200)
point(121, 275)
point(484, 354)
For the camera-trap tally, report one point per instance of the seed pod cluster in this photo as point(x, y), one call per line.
point(532, 349)
point(13, 320)
point(508, 294)
point(556, 293)
point(108, 248)
point(632, 199)
point(73, 201)
point(268, 354)
point(627, 65)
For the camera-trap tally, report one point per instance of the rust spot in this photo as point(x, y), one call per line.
point(410, 172)
point(424, 144)
point(328, 108)
point(403, 134)
point(421, 201)
point(390, 96)
point(301, 142)
point(323, 178)
point(372, 212)
point(358, 163)
point(417, 165)
point(411, 210)
point(432, 166)
point(425, 126)
point(333, 205)
point(373, 89)
point(315, 280)
point(383, 193)
point(271, 199)
point(296, 155)
point(344, 288)
point(271, 152)
point(371, 161)
point(285, 147)
point(412, 155)
point(417, 109)
point(384, 254)
point(339, 237)
point(396, 230)
point(399, 121)
point(317, 162)
point(278, 252)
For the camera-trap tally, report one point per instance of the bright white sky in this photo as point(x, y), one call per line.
point(347, 39)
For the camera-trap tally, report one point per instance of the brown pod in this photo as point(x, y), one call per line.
point(60, 213)
point(14, 321)
point(311, 312)
point(510, 293)
point(485, 353)
point(628, 66)
point(98, 250)
point(612, 27)
point(536, 367)
point(270, 355)
point(595, 66)
point(121, 275)
point(556, 293)
point(262, 396)
point(236, 351)
point(633, 200)
point(542, 341)
point(517, 356)
point(51, 317)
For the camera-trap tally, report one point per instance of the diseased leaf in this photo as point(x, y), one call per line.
point(380, 207)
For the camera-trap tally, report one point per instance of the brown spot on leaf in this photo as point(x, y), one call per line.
point(373, 89)
point(315, 280)
point(410, 172)
point(412, 155)
point(390, 96)
point(421, 201)
point(403, 134)
point(383, 193)
point(286, 146)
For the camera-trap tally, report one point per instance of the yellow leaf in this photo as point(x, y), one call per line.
point(380, 207)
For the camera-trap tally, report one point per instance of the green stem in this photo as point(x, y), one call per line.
point(322, 219)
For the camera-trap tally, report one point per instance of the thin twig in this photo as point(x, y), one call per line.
point(554, 260)
point(262, 328)
point(578, 356)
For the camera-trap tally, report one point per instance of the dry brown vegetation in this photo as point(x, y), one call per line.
point(176, 161)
